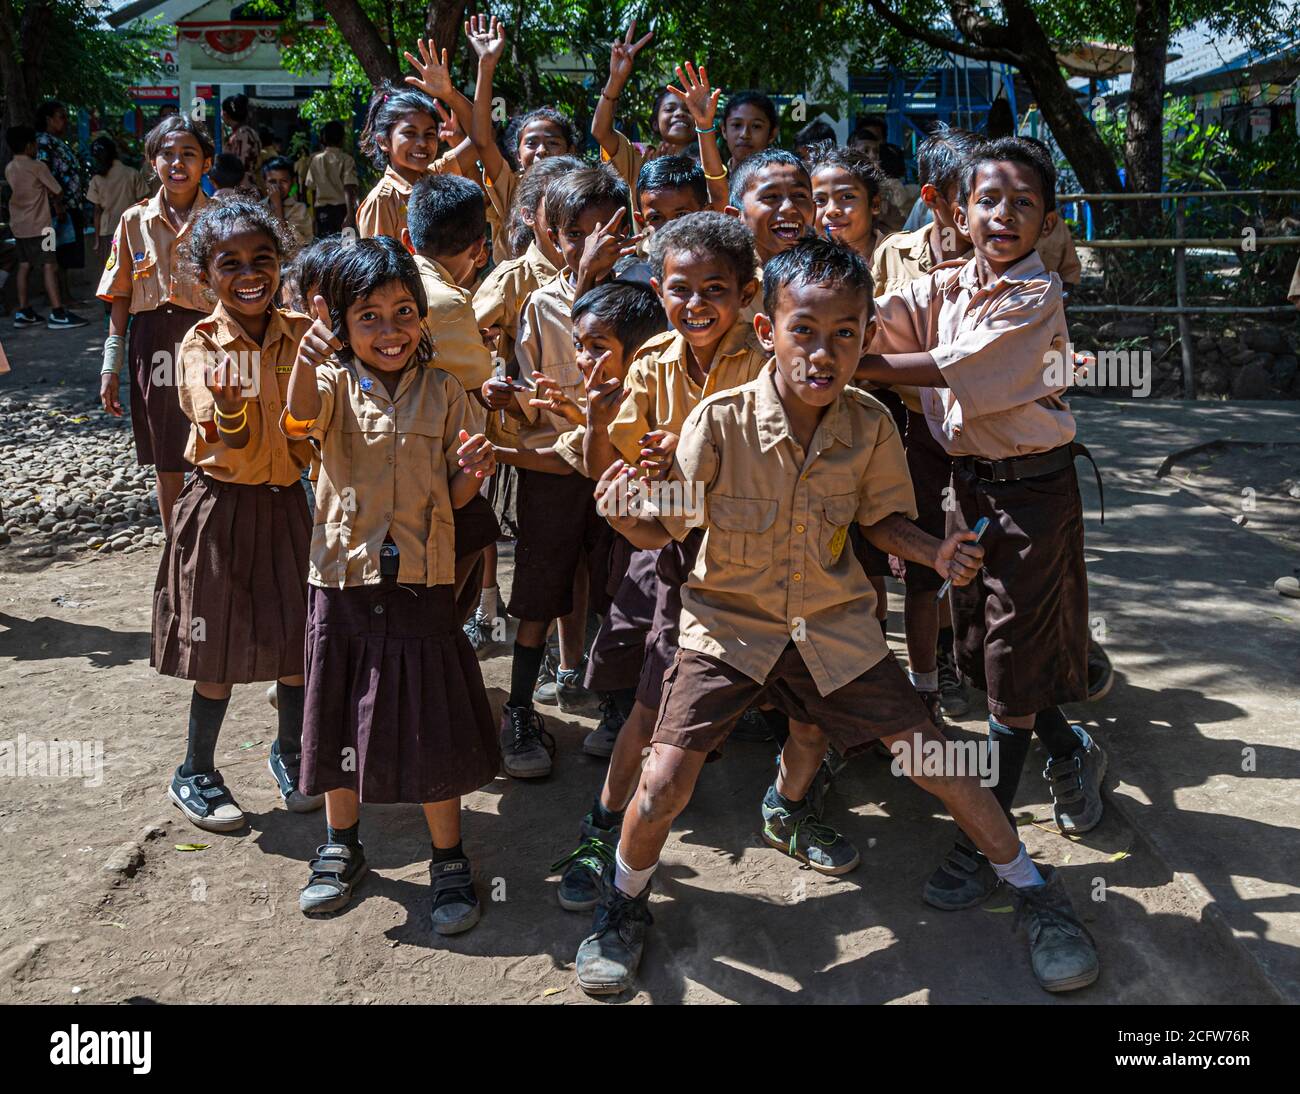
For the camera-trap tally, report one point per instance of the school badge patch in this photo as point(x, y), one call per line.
point(837, 543)
point(112, 256)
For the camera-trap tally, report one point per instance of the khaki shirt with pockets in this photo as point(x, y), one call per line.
point(386, 469)
point(1056, 249)
point(457, 345)
point(114, 193)
point(383, 213)
point(1003, 351)
point(660, 394)
point(269, 457)
point(329, 174)
point(545, 344)
point(776, 564)
point(500, 193)
point(31, 185)
point(500, 299)
point(142, 262)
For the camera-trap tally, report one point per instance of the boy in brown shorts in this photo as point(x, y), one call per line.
point(779, 469)
point(978, 339)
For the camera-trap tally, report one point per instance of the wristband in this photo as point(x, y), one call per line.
point(611, 98)
point(716, 177)
point(114, 352)
point(712, 129)
point(240, 420)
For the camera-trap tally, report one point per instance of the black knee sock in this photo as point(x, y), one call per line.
point(288, 706)
point(605, 818)
point(349, 837)
point(945, 641)
point(523, 674)
point(447, 854)
point(1054, 731)
point(1013, 747)
point(206, 716)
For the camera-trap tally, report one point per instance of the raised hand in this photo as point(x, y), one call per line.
point(226, 385)
point(604, 395)
point(487, 38)
point(449, 129)
point(434, 76)
point(700, 99)
point(550, 396)
point(476, 455)
point(622, 55)
point(604, 247)
point(319, 344)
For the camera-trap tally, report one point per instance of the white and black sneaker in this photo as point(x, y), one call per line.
point(285, 768)
point(205, 801)
point(64, 320)
point(28, 317)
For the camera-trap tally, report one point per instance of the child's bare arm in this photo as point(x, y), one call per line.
point(604, 397)
point(622, 56)
point(702, 101)
point(911, 369)
point(477, 460)
point(958, 557)
point(316, 347)
point(614, 502)
point(542, 459)
point(488, 40)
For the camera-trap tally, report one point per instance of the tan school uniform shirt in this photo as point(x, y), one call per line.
point(500, 299)
point(994, 346)
point(270, 456)
point(776, 564)
point(330, 172)
point(386, 469)
point(29, 204)
point(659, 392)
point(383, 213)
point(457, 345)
point(545, 344)
point(1056, 249)
point(142, 262)
point(113, 194)
point(500, 193)
point(299, 219)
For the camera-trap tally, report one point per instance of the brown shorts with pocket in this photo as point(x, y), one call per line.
point(31, 251)
point(1021, 627)
point(931, 470)
point(703, 697)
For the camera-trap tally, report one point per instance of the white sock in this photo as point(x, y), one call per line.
point(628, 881)
point(924, 681)
point(1020, 871)
point(488, 601)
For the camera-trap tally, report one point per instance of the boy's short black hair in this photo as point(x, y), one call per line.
point(177, 123)
point(869, 122)
point(18, 137)
point(672, 173)
point(359, 270)
point(277, 163)
point(569, 196)
point(817, 132)
point(742, 178)
point(227, 170)
point(332, 133)
point(705, 233)
point(446, 214)
point(857, 164)
point(892, 162)
point(815, 262)
point(1049, 164)
point(752, 98)
point(941, 154)
point(629, 308)
point(1010, 150)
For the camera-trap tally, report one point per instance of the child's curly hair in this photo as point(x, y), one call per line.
point(221, 219)
point(517, 124)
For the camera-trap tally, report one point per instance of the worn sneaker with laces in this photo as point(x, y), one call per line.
point(585, 865)
point(1075, 783)
point(335, 872)
point(802, 835)
point(609, 957)
point(933, 707)
point(455, 907)
point(480, 630)
point(1101, 674)
point(285, 769)
point(1062, 953)
point(526, 746)
point(952, 692)
point(566, 691)
point(964, 878)
point(206, 801)
point(600, 741)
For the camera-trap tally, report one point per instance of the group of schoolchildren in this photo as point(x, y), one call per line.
point(829, 403)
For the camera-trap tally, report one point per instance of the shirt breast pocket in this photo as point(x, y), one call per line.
point(740, 530)
point(838, 511)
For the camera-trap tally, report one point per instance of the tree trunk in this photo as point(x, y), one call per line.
point(364, 39)
point(22, 42)
point(1144, 133)
point(443, 24)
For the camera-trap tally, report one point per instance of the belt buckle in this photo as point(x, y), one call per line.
point(389, 560)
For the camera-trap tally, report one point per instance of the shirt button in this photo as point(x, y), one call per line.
point(379, 609)
point(390, 459)
point(388, 516)
point(389, 410)
point(798, 528)
point(797, 577)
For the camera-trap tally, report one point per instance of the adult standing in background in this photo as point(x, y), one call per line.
point(70, 173)
point(241, 138)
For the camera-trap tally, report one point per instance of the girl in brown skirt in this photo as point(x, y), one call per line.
point(156, 294)
point(230, 603)
point(396, 710)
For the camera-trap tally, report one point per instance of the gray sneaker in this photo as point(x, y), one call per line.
point(609, 957)
point(585, 865)
point(1075, 783)
point(1061, 951)
point(965, 878)
point(335, 872)
point(566, 692)
point(455, 904)
point(526, 747)
point(802, 835)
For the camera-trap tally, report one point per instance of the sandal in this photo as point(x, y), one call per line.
point(335, 871)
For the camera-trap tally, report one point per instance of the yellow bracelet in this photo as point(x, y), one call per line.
point(716, 177)
point(241, 420)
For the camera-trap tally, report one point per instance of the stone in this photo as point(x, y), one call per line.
point(1251, 382)
point(1284, 370)
point(1265, 340)
point(1214, 380)
point(1133, 326)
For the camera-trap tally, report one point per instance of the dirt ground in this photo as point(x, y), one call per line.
point(734, 920)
